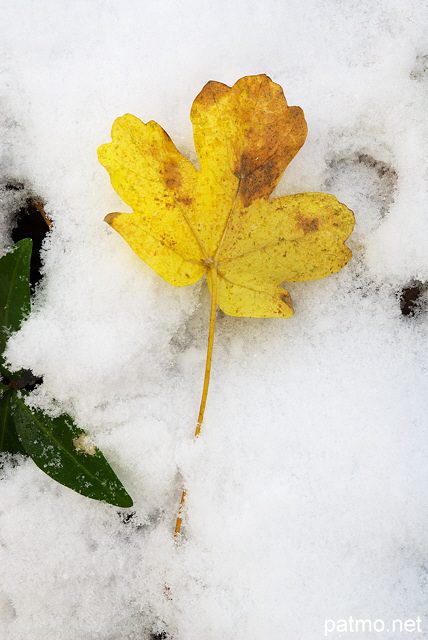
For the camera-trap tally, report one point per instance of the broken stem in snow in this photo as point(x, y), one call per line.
point(213, 313)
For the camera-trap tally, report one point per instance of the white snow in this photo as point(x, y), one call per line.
point(307, 489)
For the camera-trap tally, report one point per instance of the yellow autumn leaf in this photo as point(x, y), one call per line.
point(219, 220)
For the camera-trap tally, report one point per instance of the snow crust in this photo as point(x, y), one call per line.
point(307, 489)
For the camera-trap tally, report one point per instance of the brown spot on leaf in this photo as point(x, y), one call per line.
point(308, 224)
point(285, 297)
point(84, 444)
point(186, 200)
point(110, 217)
point(256, 182)
point(171, 175)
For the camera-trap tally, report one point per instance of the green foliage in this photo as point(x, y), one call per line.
point(56, 445)
point(62, 451)
point(9, 440)
point(14, 292)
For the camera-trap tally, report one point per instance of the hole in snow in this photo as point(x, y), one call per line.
point(414, 298)
point(30, 222)
point(126, 516)
point(27, 381)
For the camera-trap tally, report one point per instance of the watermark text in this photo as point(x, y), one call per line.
point(360, 625)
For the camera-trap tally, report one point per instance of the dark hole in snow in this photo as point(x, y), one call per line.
point(30, 223)
point(414, 298)
point(126, 516)
point(14, 186)
point(26, 381)
point(159, 636)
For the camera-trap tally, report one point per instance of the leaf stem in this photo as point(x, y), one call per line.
point(213, 315)
point(210, 344)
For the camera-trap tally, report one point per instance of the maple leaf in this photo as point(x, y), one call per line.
point(219, 221)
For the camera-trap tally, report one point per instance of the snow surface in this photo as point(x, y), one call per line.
point(307, 489)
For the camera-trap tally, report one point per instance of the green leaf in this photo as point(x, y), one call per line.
point(57, 446)
point(9, 441)
point(14, 291)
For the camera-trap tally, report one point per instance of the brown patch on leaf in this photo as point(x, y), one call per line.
point(308, 225)
point(171, 175)
point(110, 217)
point(84, 444)
point(257, 182)
point(185, 200)
point(285, 297)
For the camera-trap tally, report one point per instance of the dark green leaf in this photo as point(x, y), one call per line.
point(14, 291)
point(51, 442)
point(9, 441)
